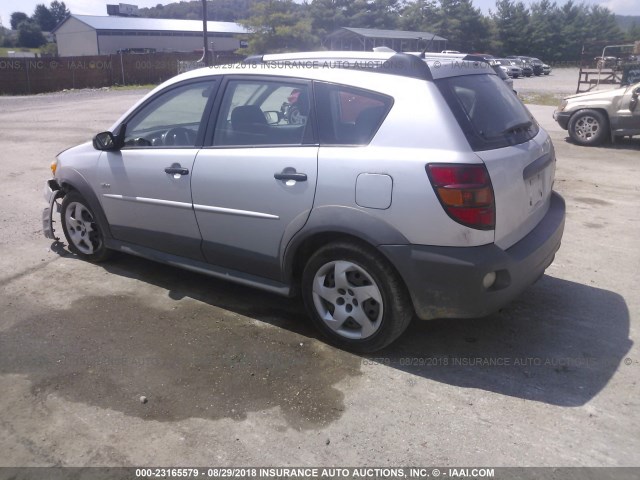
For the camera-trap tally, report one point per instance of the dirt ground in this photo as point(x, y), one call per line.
point(237, 377)
point(561, 81)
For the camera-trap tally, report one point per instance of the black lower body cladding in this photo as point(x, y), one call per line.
point(447, 282)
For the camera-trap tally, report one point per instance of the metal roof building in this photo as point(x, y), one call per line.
point(366, 39)
point(98, 35)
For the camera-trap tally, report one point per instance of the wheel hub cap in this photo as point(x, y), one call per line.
point(348, 300)
point(587, 128)
point(81, 228)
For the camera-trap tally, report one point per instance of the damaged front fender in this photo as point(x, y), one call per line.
point(52, 192)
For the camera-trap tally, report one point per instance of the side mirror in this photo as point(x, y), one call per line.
point(273, 117)
point(107, 141)
point(104, 141)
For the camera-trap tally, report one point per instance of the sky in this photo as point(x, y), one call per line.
point(98, 7)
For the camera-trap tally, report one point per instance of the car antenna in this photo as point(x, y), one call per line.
point(422, 54)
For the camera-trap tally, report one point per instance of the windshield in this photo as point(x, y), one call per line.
point(488, 112)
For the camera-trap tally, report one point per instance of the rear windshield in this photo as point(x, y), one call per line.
point(489, 113)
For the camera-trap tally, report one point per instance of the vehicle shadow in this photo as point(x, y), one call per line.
point(559, 343)
point(621, 143)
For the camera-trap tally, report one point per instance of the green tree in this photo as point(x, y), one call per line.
point(574, 30)
point(59, 11)
point(43, 17)
point(279, 26)
point(633, 34)
point(603, 27)
point(49, 50)
point(418, 16)
point(546, 30)
point(329, 15)
point(17, 18)
point(30, 35)
point(463, 26)
point(381, 14)
point(217, 10)
point(512, 27)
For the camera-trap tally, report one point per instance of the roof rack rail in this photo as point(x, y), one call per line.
point(402, 64)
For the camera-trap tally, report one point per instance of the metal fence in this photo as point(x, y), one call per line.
point(20, 76)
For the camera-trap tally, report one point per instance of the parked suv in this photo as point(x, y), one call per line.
point(527, 70)
point(403, 188)
point(593, 118)
point(509, 66)
point(538, 67)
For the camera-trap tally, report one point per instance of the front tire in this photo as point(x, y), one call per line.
point(81, 230)
point(588, 127)
point(355, 298)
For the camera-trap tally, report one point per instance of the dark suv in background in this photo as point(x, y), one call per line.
point(538, 66)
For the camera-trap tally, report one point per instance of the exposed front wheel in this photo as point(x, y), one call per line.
point(81, 229)
point(355, 298)
point(588, 127)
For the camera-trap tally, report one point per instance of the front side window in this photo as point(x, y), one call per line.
point(349, 116)
point(264, 112)
point(172, 119)
point(488, 112)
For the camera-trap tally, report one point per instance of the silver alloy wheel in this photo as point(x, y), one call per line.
point(81, 228)
point(586, 128)
point(347, 299)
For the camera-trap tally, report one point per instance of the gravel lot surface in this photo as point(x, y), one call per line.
point(562, 81)
point(237, 377)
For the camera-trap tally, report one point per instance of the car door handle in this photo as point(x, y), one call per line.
point(298, 177)
point(176, 169)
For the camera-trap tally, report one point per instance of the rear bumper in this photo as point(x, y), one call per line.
point(562, 118)
point(446, 282)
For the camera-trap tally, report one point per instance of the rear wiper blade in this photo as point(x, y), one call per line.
point(518, 126)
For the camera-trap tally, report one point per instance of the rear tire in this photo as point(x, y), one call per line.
point(355, 298)
point(588, 127)
point(83, 233)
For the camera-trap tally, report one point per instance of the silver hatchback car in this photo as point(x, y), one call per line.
point(378, 186)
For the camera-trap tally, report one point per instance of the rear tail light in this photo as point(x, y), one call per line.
point(465, 193)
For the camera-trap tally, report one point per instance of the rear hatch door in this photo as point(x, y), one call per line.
point(518, 154)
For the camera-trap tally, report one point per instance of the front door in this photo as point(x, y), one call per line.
point(145, 188)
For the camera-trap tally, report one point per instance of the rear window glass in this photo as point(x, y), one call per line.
point(349, 116)
point(489, 113)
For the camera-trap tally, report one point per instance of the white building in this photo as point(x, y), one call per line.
point(95, 35)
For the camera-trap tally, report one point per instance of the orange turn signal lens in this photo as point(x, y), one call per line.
point(54, 167)
point(459, 197)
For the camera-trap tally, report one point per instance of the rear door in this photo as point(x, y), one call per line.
point(253, 187)
point(518, 154)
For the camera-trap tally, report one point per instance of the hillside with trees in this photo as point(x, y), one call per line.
point(545, 28)
point(553, 31)
point(30, 28)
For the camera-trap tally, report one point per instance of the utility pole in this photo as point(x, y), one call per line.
point(205, 49)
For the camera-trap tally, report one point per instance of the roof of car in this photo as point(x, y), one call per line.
point(421, 65)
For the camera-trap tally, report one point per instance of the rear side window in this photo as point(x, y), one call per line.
point(349, 116)
point(264, 112)
point(489, 113)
